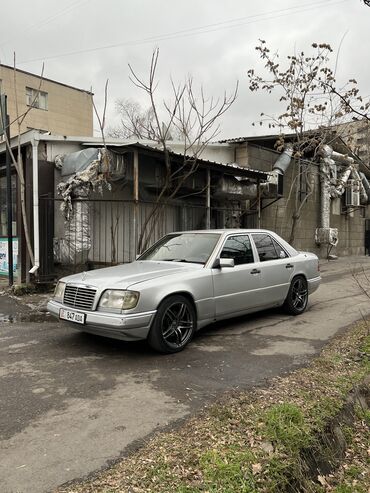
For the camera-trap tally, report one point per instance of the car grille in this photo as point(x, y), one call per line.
point(79, 297)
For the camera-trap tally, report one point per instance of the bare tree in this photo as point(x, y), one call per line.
point(194, 116)
point(134, 121)
point(313, 105)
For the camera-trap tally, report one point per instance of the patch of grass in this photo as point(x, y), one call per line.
point(228, 472)
point(349, 489)
point(366, 415)
point(285, 425)
point(325, 408)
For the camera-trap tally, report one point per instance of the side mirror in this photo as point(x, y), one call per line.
point(227, 262)
point(219, 263)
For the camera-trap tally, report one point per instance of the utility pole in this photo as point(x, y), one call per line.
point(6, 129)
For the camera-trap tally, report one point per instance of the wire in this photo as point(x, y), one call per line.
point(48, 19)
point(208, 28)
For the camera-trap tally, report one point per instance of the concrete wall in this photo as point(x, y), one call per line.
point(69, 112)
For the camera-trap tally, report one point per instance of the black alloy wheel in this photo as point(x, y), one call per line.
point(173, 326)
point(297, 298)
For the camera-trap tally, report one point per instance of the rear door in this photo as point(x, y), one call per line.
point(276, 268)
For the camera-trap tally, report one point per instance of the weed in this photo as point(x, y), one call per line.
point(285, 426)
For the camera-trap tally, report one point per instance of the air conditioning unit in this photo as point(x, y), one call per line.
point(352, 193)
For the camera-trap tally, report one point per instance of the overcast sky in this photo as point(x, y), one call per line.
point(85, 42)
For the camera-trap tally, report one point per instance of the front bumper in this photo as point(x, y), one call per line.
point(132, 327)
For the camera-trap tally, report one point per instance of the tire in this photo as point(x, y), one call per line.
point(174, 325)
point(297, 298)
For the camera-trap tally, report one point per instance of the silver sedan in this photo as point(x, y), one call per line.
point(185, 281)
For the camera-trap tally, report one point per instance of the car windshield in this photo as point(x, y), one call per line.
point(183, 247)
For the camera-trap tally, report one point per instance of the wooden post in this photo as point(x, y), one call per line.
point(208, 200)
point(136, 201)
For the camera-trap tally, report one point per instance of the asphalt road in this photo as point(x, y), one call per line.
point(71, 403)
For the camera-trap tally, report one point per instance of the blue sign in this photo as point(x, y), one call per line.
point(4, 260)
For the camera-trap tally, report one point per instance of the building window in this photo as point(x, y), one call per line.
point(36, 99)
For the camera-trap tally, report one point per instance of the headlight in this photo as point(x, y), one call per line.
point(118, 300)
point(59, 291)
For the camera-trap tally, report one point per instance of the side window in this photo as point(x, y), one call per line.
point(239, 248)
point(268, 248)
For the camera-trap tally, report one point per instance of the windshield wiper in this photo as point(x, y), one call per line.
point(185, 260)
point(181, 260)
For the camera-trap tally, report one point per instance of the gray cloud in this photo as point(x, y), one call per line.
point(44, 29)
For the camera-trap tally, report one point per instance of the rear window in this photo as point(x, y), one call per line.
point(268, 248)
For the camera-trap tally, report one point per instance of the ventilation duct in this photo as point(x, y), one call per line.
point(283, 161)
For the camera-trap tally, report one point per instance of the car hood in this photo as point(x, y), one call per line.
point(126, 275)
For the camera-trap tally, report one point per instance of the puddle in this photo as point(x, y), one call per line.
point(27, 317)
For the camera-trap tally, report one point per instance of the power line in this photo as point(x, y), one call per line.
point(48, 19)
point(208, 28)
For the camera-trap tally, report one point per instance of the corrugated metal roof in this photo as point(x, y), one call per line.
point(232, 168)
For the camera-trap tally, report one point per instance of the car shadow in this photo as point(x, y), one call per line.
point(94, 344)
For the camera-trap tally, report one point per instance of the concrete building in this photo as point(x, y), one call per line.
point(356, 134)
point(55, 107)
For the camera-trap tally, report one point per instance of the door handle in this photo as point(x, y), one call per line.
point(255, 271)
point(289, 266)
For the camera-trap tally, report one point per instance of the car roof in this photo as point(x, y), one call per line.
point(226, 231)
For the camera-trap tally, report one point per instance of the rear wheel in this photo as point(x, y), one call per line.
point(297, 298)
point(173, 326)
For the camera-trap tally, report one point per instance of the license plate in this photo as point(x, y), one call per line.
point(71, 316)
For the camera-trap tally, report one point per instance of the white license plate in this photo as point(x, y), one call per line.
point(71, 316)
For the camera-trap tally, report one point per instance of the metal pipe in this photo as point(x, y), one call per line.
point(35, 194)
point(325, 192)
point(366, 184)
point(363, 194)
point(283, 161)
point(9, 203)
point(339, 189)
point(258, 203)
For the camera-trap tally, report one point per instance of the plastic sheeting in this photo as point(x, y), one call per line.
point(75, 245)
point(80, 184)
point(72, 163)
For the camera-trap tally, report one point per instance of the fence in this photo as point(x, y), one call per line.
point(108, 232)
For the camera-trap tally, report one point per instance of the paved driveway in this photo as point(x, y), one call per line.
point(71, 402)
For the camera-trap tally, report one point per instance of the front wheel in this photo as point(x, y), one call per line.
point(297, 298)
point(173, 326)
